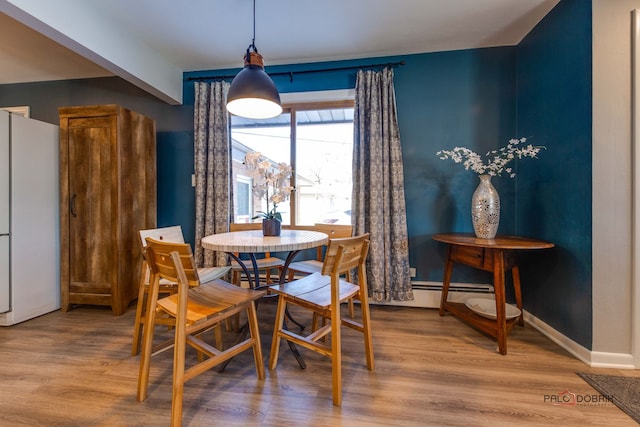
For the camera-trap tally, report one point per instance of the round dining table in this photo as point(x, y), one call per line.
point(252, 242)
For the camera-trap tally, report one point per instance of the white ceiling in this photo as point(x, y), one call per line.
point(151, 42)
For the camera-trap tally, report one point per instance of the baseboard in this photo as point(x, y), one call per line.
point(595, 359)
point(426, 296)
point(601, 359)
point(577, 350)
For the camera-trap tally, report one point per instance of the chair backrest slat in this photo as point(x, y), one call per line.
point(345, 254)
point(166, 234)
point(158, 254)
point(334, 231)
point(171, 234)
point(241, 226)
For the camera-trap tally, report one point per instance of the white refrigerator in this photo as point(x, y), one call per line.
point(29, 218)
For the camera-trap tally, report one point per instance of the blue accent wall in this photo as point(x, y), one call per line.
point(448, 99)
point(443, 99)
point(554, 192)
point(474, 98)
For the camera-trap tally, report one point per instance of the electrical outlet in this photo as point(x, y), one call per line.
point(412, 272)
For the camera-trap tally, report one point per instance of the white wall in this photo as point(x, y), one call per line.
point(82, 28)
point(612, 178)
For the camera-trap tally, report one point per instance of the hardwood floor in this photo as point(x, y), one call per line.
point(75, 369)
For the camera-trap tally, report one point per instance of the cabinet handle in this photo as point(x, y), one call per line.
point(72, 206)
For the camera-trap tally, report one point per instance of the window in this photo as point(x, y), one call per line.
point(243, 199)
point(316, 139)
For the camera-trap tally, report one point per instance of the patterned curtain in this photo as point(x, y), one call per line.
point(378, 186)
point(212, 160)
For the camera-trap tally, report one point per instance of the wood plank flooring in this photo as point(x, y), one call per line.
point(75, 369)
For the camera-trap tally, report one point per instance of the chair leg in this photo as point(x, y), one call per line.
point(217, 334)
point(137, 325)
point(217, 331)
point(279, 323)
point(336, 356)
point(252, 318)
point(177, 394)
point(352, 312)
point(318, 321)
point(179, 350)
point(147, 341)
point(233, 323)
point(366, 330)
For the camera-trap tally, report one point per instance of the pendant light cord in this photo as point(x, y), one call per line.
point(253, 40)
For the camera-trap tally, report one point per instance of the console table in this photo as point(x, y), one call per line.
point(493, 255)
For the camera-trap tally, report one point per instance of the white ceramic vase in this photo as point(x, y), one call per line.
point(485, 209)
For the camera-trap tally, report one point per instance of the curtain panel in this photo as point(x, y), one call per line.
point(378, 205)
point(212, 164)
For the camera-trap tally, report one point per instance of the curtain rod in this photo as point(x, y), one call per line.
point(291, 73)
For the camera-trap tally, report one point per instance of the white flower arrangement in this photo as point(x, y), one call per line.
point(272, 183)
point(497, 159)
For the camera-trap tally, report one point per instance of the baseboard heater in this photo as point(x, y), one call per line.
point(427, 294)
point(453, 287)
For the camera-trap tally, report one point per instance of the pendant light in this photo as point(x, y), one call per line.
point(252, 93)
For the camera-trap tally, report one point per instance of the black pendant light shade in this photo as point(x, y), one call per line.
point(252, 93)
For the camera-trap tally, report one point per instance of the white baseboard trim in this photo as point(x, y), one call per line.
point(577, 350)
point(601, 359)
point(426, 298)
point(595, 359)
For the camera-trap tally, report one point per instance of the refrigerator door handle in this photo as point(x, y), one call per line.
point(72, 206)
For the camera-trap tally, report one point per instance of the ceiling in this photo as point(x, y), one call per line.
point(152, 42)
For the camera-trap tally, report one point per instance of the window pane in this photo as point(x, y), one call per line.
point(324, 149)
point(322, 142)
point(243, 199)
point(270, 137)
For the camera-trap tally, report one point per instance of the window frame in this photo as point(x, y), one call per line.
point(292, 103)
point(291, 108)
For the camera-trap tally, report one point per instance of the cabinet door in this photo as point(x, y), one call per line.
point(92, 204)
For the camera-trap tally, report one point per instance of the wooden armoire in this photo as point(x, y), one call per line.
point(107, 194)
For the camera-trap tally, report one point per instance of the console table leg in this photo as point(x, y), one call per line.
point(498, 285)
point(445, 281)
point(515, 273)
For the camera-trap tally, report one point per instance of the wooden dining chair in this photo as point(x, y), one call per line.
point(266, 264)
point(322, 293)
point(172, 234)
point(310, 266)
point(196, 308)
